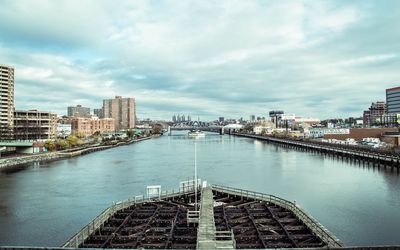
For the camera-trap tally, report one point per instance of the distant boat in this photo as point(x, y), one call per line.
point(196, 133)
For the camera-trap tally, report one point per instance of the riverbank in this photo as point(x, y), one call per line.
point(14, 162)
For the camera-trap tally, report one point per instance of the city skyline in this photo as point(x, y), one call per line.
point(210, 59)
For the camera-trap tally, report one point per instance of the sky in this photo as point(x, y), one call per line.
point(205, 58)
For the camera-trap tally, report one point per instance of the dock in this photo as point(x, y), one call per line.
point(376, 158)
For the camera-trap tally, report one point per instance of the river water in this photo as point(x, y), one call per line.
point(44, 205)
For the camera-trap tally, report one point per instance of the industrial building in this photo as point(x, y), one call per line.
point(35, 125)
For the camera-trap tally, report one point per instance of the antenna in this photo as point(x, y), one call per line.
point(195, 175)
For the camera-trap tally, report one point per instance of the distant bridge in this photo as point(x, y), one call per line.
point(203, 126)
point(192, 124)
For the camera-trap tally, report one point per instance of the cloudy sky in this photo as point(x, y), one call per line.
point(206, 58)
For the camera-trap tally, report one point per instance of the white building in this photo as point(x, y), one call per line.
point(64, 130)
point(307, 120)
point(233, 126)
point(258, 130)
point(320, 132)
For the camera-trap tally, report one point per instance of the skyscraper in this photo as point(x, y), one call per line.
point(98, 112)
point(123, 110)
point(6, 102)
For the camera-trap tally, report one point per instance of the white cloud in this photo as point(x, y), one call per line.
point(368, 59)
point(219, 57)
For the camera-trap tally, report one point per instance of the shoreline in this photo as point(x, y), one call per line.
point(15, 162)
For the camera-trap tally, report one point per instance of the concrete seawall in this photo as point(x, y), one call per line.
point(14, 162)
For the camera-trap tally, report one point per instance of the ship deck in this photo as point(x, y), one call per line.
point(228, 218)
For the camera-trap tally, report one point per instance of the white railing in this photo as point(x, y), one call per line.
point(224, 239)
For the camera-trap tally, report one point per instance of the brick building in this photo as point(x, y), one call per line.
point(89, 126)
point(122, 110)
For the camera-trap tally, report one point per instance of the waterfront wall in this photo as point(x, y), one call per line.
point(13, 162)
point(8, 163)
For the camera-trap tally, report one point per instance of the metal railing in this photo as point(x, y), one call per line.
point(224, 237)
point(307, 219)
point(97, 222)
point(193, 217)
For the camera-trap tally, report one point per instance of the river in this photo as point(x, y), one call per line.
point(45, 204)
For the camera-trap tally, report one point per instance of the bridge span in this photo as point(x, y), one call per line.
point(216, 129)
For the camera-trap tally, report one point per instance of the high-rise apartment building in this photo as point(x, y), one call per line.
point(6, 102)
point(78, 111)
point(98, 112)
point(393, 100)
point(123, 110)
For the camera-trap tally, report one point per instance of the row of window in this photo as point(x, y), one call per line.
point(392, 95)
point(395, 102)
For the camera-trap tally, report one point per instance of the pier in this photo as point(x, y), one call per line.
point(376, 158)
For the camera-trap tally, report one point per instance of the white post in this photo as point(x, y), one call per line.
point(195, 174)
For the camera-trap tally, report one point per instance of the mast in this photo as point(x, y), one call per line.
point(195, 174)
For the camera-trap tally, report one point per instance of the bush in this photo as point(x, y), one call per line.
point(61, 144)
point(50, 145)
point(72, 140)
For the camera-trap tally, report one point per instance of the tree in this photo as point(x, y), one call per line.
point(50, 145)
point(130, 133)
point(80, 134)
point(72, 140)
point(61, 144)
point(157, 129)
